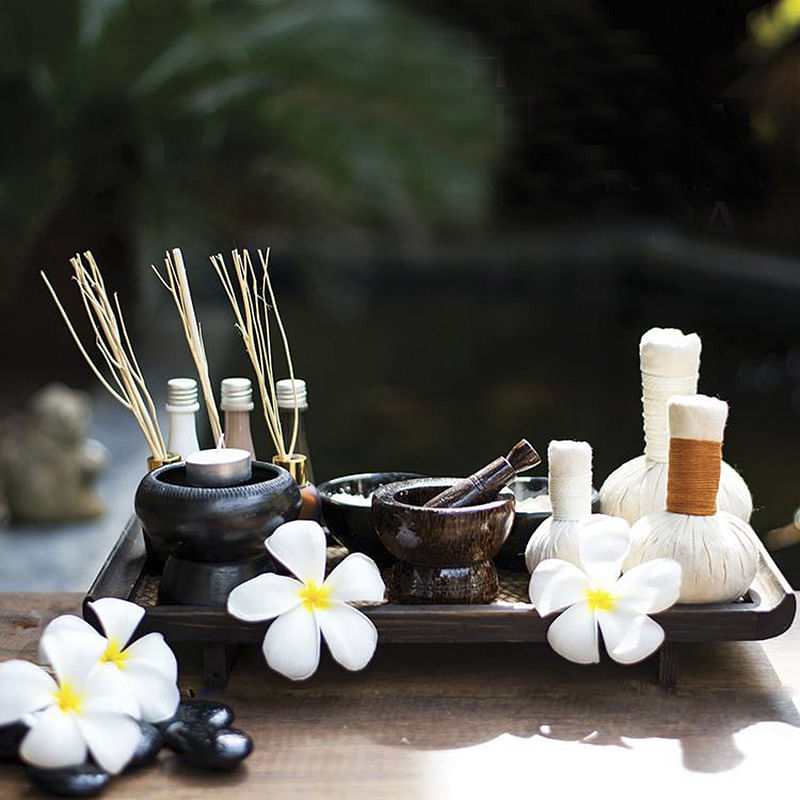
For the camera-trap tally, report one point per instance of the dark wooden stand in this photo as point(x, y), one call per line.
point(766, 611)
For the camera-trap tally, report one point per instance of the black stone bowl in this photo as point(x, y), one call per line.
point(351, 524)
point(214, 537)
point(445, 554)
point(512, 553)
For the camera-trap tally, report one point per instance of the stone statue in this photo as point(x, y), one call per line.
point(47, 465)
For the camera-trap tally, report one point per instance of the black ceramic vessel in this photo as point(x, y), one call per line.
point(512, 553)
point(351, 524)
point(445, 554)
point(213, 537)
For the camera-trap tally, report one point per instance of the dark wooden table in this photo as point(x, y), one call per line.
point(483, 721)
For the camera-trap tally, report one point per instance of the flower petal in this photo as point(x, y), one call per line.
point(112, 739)
point(152, 651)
point(628, 635)
point(573, 635)
point(556, 584)
point(119, 618)
point(106, 690)
point(650, 587)
point(158, 696)
point(603, 544)
point(264, 597)
point(291, 645)
point(53, 741)
point(71, 652)
point(357, 579)
point(65, 623)
point(351, 637)
point(24, 688)
point(300, 546)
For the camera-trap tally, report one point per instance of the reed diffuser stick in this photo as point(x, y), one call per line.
point(177, 284)
point(115, 347)
point(253, 303)
point(264, 257)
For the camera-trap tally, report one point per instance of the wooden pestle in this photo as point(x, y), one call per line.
point(483, 485)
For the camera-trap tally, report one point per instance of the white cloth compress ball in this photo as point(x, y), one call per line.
point(670, 362)
point(717, 551)
point(570, 489)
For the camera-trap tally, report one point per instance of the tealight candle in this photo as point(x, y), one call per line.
point(227, 466)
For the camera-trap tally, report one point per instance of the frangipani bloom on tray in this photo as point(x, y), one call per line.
point(147, 666)
point(596, 596)
point(87, 707)
point(310, 605)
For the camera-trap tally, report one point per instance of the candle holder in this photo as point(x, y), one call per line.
point(213, 536)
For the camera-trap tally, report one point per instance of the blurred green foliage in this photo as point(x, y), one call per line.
point(319, 122)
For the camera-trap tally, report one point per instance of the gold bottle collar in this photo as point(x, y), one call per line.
point(295, 463)
point(154, 462)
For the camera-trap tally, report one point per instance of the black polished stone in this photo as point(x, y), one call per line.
point(208, 748)
point(84, 780)
point(201, 712)
point(10, 738)
point(151, 741)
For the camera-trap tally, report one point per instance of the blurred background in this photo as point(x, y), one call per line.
point(475, 210)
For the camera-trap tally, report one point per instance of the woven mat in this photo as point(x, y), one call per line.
point(513, 585)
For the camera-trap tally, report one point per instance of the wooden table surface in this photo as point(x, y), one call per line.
point(463, 721)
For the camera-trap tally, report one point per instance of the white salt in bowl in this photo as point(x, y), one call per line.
point(347, 511)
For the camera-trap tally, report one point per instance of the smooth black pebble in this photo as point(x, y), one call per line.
point(84, 780)
point(151, 741)
point(10, 738)
point(208, 748)
point(201, 712)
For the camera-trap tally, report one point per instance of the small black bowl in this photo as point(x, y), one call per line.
point(512, 553)
point(350, 523)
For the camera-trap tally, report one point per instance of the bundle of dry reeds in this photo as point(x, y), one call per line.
point(254, 306)
point(114, 345)
point(177, 284)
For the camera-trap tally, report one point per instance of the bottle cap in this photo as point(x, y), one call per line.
point(182, 395)
point(285, 391)
point(237, 394)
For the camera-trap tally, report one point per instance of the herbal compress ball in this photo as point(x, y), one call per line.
point(570, 488)
point(717, 551)
point(669, 361)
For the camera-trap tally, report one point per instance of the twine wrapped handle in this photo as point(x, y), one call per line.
point(693, 480)
point(695, 454)
point(570, 479)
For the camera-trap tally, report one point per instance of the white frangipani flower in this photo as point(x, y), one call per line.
point(87, 706)
point(597, 596)
point(148, 665)
point(310, 605)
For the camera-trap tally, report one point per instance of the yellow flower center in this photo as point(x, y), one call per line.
point(600, 600)
point(315, 597)
point(114, 655)
point(68, 699)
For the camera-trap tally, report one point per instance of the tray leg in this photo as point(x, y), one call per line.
point(217, 662)
point(667, 664)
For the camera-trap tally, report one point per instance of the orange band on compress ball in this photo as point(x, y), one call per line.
point(693, 480)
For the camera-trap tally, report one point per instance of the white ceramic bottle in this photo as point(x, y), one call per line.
point(182, 405)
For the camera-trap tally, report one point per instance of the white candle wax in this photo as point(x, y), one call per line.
point(228, 466)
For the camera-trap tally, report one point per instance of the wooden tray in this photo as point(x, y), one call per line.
point(767, 610)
